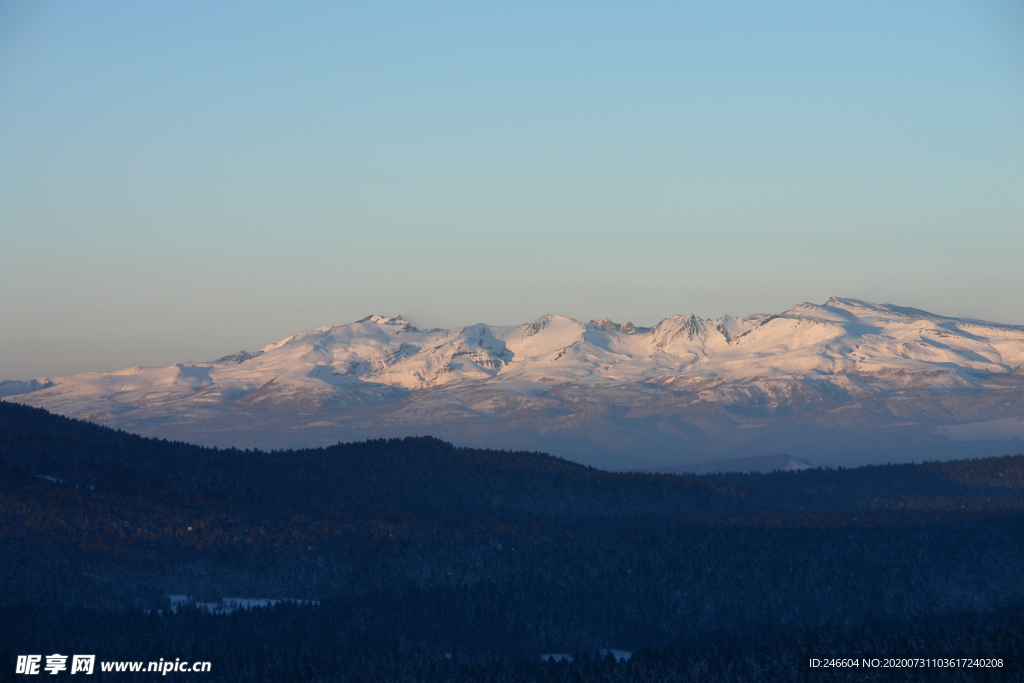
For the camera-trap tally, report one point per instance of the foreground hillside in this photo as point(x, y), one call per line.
point(842, 383)
point(405, 550)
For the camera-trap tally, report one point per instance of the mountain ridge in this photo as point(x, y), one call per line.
point(680, 392)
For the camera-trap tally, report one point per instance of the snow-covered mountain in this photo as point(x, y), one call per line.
point(846, 382)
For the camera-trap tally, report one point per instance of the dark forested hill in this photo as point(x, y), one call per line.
point(397, 478)
point(412, 548)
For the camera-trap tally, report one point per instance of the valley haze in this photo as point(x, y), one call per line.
point(843, 383)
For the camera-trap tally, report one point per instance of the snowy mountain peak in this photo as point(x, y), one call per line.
point(867, 310)
point(606, 325)
point(385, 320)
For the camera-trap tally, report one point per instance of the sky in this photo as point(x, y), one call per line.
point(179, 181)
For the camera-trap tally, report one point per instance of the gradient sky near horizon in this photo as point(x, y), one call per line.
point(182, 180)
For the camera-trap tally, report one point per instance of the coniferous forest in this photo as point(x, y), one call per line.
point(412, 560)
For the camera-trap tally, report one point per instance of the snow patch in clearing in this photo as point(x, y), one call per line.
point(228, 605)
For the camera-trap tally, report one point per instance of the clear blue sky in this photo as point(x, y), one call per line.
point(180, 180)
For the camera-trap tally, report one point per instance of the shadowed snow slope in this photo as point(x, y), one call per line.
point(846, 382)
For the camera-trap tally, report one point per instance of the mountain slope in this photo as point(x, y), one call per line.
point(846, 382)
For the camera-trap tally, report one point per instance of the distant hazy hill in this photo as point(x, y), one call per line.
point(847, 382)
